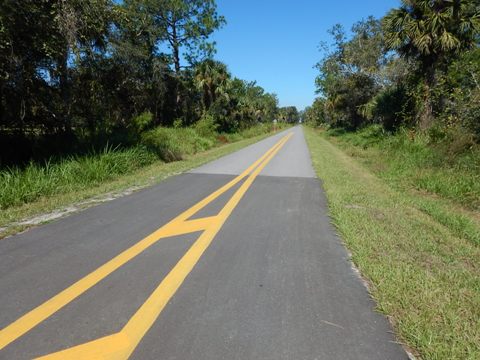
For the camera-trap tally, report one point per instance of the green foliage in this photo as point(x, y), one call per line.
point(233, 103)
point(417, 67)
point(349, 75)
point(259, 129)
point(464, 71)
point(253, 103)
point(436, 164)
point(177, 123)
point(36, 180)
point(433, 33)
point(462, 86)
point(206, 126)
point(417, 79)
point(187, 25)
point(142, 121)
point(463, 109)
point(365, 51)
point(212, 80)
point(288, 114)
point(77, 173)
point(431, 30)
point(172, 144)
point(390, 107)
point(315, 115)
point(91, 73)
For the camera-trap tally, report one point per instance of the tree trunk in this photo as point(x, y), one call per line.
point(64, 91)
point(176, 61)
point(426, 118)
point(176, 55)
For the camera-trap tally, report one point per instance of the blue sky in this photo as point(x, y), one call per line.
point(275, 42)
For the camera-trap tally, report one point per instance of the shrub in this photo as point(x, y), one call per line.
point(389, 107)
point(171, 144)
point(206, 126)
point(163, 144)
point(463, 109)
point(141, 122)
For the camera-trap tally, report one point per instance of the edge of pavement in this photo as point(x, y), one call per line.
point(66, 209)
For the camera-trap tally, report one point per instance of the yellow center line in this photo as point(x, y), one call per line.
point(122, 344)
point(178, 226)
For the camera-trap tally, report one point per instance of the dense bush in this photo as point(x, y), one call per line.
point(390, 106)
point(171, 144)
point(462, 109)
point(206, 126)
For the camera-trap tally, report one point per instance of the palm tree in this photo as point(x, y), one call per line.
point(431, 31)
point(212, 80)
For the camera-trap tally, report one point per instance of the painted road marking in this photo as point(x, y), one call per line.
point(122, 344)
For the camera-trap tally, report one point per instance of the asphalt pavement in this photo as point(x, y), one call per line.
point(236, 259)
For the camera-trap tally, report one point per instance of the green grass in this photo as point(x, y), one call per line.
point(37, 188)
point(445, 186)
point(409, 160)
point(423, 274)
point(20, 186)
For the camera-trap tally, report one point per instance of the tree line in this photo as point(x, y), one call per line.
point(417, 67)
point(77, 74)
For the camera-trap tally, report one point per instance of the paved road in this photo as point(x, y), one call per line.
point(229, 261)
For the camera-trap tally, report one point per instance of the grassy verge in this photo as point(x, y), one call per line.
point(39, 189)
point(445, 186)
point(424, 274)
point(408, 160)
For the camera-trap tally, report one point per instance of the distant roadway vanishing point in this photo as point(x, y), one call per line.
point(236, 259)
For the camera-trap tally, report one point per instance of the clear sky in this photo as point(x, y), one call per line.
point(275, 42)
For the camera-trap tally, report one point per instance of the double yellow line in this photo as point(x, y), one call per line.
point(121, 345)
